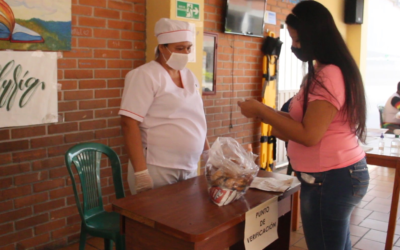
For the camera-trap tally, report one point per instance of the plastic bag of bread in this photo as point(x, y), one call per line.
point(230, 169)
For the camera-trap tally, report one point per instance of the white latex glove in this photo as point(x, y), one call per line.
point(143, 181)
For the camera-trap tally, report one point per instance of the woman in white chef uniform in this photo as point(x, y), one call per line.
point(162, 113)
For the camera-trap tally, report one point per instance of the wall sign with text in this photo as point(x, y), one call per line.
point(28, 88)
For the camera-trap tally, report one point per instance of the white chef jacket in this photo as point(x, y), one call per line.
point(173, 125)
point(389, 112)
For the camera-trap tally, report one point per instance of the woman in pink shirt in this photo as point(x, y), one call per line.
point(326, 119)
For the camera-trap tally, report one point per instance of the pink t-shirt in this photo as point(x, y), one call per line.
point(339, 146)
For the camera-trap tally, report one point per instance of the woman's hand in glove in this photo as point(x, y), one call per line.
point(143, 181)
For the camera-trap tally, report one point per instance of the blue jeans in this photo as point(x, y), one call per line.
point(327, 204)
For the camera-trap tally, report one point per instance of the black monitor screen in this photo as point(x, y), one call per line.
point(245, 17)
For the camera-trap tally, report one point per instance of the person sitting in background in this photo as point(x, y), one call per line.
point(391, 112)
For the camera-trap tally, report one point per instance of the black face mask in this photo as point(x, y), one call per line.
point(299, 53)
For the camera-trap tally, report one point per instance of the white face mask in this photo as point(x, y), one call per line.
point(177, 61)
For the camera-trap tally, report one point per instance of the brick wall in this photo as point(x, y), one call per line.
point(37, 206)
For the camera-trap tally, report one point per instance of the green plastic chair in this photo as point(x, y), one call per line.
point(95, 220)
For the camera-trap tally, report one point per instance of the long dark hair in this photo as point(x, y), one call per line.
point(320, 40)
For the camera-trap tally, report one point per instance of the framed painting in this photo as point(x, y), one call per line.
point(35, 25)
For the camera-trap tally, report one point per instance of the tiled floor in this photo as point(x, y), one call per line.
point(368, 222)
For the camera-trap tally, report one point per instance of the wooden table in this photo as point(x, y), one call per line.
point(385, 159)
point(182, 216)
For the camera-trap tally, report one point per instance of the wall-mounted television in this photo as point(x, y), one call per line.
point(245, 17)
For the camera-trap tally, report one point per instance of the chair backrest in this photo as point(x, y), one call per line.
point(380, 108)
point(86, 157)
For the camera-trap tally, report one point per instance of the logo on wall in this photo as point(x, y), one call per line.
point(35, 25)
point(28, 88)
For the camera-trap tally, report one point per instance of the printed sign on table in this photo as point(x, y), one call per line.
point(28, 88)
point(261, 226)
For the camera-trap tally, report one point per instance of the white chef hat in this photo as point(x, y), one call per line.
point(173, 31)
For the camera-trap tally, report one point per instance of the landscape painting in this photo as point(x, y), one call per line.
point(35, 25)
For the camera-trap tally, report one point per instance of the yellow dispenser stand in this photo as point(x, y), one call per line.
point(268, 98)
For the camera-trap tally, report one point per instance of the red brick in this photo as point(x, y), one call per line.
point(5, 206)
point(114, 24)
point(29, 155)
point(66, 63)
point(114, 102)
point(50, 226)
point(106, 13)
point(93, 104)
point(33, 242)
point(133, 17)
point(92, 125)
point(28, 132)
point(79, 137)
point(116, 83)
point(118, 44)
point(68, 84)
point(62, 192)
point(91, 63)
point(78, 53)
point(59, 172)
point(107, 33)
point(93, 22)
point(6, 228)
point(109, 93)
point(81, 10)
point(134, 55)
point(15, 237)
point(67, 106)
point(132, 35)
point(81, 31)
point(31, 200)
point(120, 64)
point(92, 42)
point(15, 215)
point(78, 74)
point(120, 5)
point(106, 113)
point(6, 183)
point(59, 150)
point(74, 218)
point(97, 3)
point(14, 169)
point(30, 178)
point(47, 141)
point(32, 221)
point(4, 134)
point(48, 185)
point(78, 95)
point(105, 133)
point(62, 128)
point(48, 163)
point(13, 146)
point(80, 115)
point(51, 205)
point(64, 212)
point(92, 84)
point(116, 142)
point(108, 73)
point(107, 53)
point(139, 26)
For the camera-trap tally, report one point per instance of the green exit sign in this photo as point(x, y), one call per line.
point(187, 10)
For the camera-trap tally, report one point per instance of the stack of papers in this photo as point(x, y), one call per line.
point(271, 184)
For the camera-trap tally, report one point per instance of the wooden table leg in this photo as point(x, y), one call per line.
point(296, 211)
point(393, 209)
